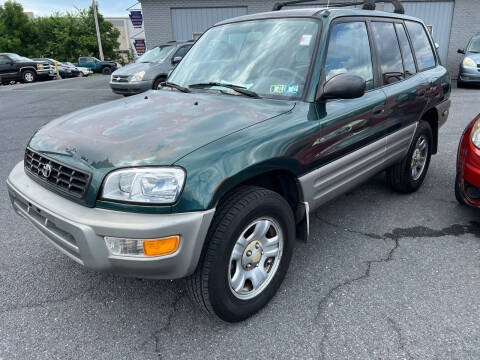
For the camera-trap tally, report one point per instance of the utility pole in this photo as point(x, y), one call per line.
point(94, 5)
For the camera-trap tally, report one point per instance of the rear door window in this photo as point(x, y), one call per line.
point(349, 52)
point(388, 51)
point(421, 45)
point(408, 61)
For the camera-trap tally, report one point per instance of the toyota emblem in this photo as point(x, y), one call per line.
point(46, 170)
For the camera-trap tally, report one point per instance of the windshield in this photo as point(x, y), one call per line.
point(158, 54)
point(269, 57)
point(16, 57)
point(474, 45)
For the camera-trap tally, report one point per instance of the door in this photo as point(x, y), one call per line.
point(189, 21)
point(351, 142)
point(404, 87)
point(7, 68)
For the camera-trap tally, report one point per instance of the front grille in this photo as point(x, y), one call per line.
point(120, 78)
point(58, 176)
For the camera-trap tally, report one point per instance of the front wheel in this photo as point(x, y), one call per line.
point(29, 76)
point(246, 256)
point(407, 176)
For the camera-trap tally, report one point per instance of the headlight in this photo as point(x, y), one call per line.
point(154, 185)
point(137, 76)
point(475, 134)
point(469, 62)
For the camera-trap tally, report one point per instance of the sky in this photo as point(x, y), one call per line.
point(46, 7)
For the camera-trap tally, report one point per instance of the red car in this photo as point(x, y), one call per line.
point(467, 183)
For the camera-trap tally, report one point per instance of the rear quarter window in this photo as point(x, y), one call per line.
point(421, 45)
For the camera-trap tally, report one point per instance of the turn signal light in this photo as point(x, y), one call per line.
point(159, 247)
point(142, 247)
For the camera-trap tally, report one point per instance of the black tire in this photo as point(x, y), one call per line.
point(107, 71)
point(157, 83)
point(399, 176)
point(29, 76)
point(209, 285)
point(460, 84)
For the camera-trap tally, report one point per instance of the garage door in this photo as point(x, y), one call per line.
point(437, 15)
point(186, 22)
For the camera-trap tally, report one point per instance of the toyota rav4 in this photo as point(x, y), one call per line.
point(214, 176)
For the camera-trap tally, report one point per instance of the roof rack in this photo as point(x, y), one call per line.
point(367, 4)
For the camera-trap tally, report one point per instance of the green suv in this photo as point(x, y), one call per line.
point(213, 177)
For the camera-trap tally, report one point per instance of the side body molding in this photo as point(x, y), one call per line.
point(331, 180)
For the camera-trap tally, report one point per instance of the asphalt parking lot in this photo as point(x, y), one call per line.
point(384, 276)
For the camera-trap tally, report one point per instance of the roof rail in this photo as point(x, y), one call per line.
point(367, 4)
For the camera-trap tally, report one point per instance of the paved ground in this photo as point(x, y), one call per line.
point(385, 276)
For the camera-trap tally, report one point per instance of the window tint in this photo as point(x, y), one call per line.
point(83, 60)
point(4, 60)
point(421, 45)
point(408, 61)
point(389, 57)
point(349, 51)
point(182, 51)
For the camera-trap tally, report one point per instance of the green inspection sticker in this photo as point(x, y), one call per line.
point(284, 89)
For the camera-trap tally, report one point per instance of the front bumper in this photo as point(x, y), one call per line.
point(469, 74)
point(79, 232)
point(126, 88)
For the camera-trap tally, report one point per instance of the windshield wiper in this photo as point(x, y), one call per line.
point(475, 52)
point(175, 86)
point(238, 88)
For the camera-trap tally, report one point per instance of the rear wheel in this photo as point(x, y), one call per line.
point(246, 255)
point(106, 71)
point(407, 176)
point(29, 76)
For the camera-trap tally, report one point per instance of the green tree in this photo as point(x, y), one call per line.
point(63, 36)
point(16, 31)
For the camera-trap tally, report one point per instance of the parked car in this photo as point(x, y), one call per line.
point(63, 70)
point(212, 178)
point(467, 182)
point(149, 70)
point(83, 70)
point(75, 71)
point(14, 67)
point(97, 66)
point(469, 71)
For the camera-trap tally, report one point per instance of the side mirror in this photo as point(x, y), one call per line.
point(437, 46)
point(176, 60)
point(461, 51)
point(343, 86)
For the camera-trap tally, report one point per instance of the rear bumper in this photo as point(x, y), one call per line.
point(443, 110)
point(79, 232)
point(126, 88)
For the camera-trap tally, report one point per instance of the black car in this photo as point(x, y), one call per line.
point(14, 67)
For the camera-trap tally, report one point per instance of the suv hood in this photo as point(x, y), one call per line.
point(154, 128)
point(131, 69)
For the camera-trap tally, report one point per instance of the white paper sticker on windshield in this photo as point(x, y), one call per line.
point(306, 40)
